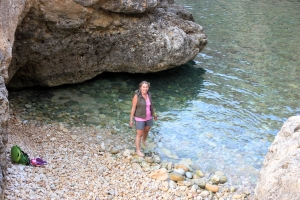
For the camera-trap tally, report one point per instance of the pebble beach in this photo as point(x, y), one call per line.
point(85, 163)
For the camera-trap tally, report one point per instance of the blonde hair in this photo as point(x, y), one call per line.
point(144, 82)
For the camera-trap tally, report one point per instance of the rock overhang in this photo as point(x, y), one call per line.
point(58, 45)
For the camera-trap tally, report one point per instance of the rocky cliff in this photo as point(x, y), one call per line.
point(280, 174)
point(10, 17)
point(70, 41)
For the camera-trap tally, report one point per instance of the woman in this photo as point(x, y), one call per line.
point(143, 112)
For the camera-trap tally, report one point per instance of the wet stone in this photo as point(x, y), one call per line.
point(175, 176)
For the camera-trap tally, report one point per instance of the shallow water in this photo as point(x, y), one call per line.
point(222, 110)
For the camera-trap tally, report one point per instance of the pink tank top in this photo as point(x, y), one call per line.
point(148, 112)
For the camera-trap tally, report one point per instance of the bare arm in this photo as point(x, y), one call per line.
point(134, 102)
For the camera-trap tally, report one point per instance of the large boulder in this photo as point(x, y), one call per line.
point(280, 174)
point(70, 41)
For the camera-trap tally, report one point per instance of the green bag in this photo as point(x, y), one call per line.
point(19, 156)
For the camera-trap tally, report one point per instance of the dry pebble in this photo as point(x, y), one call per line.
point(75, 169)
point(85, 163)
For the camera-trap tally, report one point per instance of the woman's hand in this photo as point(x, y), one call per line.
point(155, 117)
point(131, 123)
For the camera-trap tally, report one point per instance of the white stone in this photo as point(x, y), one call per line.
point(102, 146)
point(74, 137)
point(126, 153)
point(189, 175)
point(280, 172)
point(180, 171)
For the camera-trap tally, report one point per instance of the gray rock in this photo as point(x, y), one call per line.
point(175, 176)
point(223, 179)
point(126, 153)
point(194, 188)
point(279, 175)
point(172, 184)
point(189, 175)
point(215, 179)
point(200, 182)
point(179, 171)
point(110, 36)
point(156, 159)
point(114, 151)
point(3, 111)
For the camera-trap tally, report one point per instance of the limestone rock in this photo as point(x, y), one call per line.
point(223, 179)
point(160, 174)
point(279, 176)
point(189, 175)
point(200, 173)
point(63, 46)
point(179, 171)
point(124, 6)
point(204, 193)
point(232, 189)
point(136, 166)
point(200, 182)
point(126, 153)
point(181, 166)
point(165, 186)
point(114, 151)
point(175, 176)
point(3, 135)
point(215, 179)
point(237, 196)
point(211, 187)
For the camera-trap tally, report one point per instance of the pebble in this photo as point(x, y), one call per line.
point(175, 176)
point(126, 153)
point(77, 170)
point(211, 187)
point(136, 166)
point(223, 179)
point(237, 196)
point(215, 179)
point(181, 166)
point(189, 175)
point(179, 171)
point(160, 174)
point(200, 182)
point(204, 193)
point(200, 173)
point(232, 189)
point(114, 151)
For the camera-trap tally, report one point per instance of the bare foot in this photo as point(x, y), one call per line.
point(139, 153)
point(144, 143)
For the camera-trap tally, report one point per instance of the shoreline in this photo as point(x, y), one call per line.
point(83, 163)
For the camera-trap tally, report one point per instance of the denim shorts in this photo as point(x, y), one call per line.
point(140, 125)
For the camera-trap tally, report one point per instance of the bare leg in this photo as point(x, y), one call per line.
point(139, 134)
point(145, 134)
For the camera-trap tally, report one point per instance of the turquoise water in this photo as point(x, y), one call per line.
point(222, 110)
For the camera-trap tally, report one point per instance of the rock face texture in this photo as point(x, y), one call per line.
point(10, 16)
point(70, 41)
point(280, 174)
point(3, 135)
